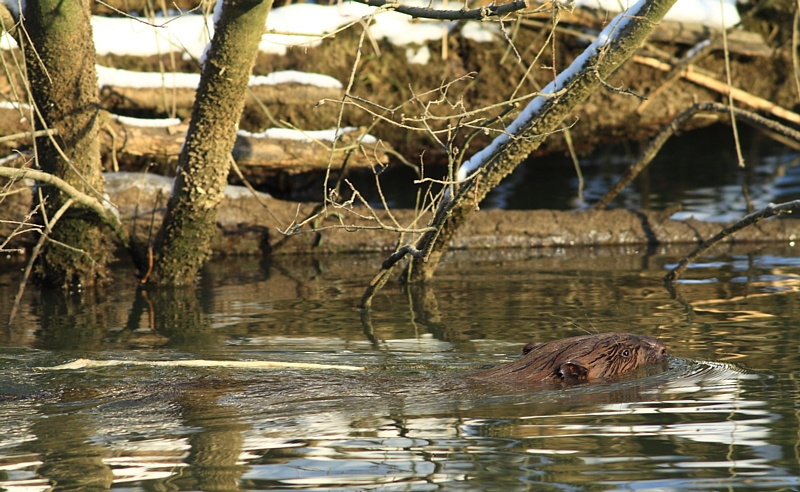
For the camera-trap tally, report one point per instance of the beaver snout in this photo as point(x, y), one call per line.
point(659, 349)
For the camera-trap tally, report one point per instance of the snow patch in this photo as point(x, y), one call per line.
point(303, 24)
point(316, 20)
point(696, 49)
point(15, 106)
point(137, 37)
point(480, 32)
point(151, 183)
point(152, 80)
point(706, 12)
point(147, 122)
point(305, 136)
point(191, 33)
point(9, 158)
point(217, 13)
point(115, 77)
point(419, 57)
point(295, 77)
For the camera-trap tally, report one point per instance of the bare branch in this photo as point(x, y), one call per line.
point(676, 124)
point(770, 210)
point(34, 255)
point(481, 13)
point(78, 197)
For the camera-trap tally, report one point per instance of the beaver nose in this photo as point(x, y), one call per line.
point(659, 348)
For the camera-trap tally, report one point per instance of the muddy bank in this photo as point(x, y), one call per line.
point(250, 226)
point(487, 73)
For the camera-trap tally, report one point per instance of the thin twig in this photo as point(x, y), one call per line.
point(17, 136)
point(770, 210)
point(139, 19)
point(482, 13)
point(253, 191)
point(77, 196)
point(34, 254)
point(18, 230)
point(383, 275)
point(735, 129)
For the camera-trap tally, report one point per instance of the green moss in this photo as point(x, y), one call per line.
point(60, 62)
point(183, 241)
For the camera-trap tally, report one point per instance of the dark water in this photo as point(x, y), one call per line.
point(699, 170)
point(723, 416)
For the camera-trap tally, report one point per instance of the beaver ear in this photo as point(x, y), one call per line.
point(572, 371)
point(529, 347)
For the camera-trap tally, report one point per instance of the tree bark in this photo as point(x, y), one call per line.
point(183, 241)
point(451, 217)
point(61, 71)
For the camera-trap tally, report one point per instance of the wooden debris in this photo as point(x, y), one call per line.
point(233, 364)
point(740, 42)
point(691, 74)
point(273, 155)
point(163, 99)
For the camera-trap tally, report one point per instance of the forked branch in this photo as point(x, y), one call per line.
point(543, 115)
point(78, 197)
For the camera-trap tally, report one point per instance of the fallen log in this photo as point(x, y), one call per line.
point(286, 155)
point(162, 139)
point(163, 99)
point(245, 226)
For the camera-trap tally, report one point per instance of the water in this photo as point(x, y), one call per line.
point(723, 415)
point(705, 179)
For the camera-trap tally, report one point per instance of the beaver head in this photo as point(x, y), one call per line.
point(588, 357)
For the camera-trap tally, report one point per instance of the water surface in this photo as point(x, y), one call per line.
point(723, 416)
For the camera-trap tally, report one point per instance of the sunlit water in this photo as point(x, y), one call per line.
point(722, 416)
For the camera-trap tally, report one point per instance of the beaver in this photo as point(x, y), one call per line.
point(581, 358)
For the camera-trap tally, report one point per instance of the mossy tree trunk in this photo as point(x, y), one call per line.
point(183, 242)
point(531, 134)
point(60, 61)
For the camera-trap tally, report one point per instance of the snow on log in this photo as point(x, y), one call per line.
point(160, 92)
point(272, 151)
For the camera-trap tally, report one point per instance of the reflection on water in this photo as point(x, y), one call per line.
point(723, 415)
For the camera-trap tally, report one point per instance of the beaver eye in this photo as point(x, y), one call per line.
point(626, 353)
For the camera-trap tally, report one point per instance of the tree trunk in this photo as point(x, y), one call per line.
point(531, 134)
point(61, 71)
point(183, 241)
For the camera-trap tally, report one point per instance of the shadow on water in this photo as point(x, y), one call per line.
point(413, 420)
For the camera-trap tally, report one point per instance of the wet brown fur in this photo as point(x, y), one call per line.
point(583, 358)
